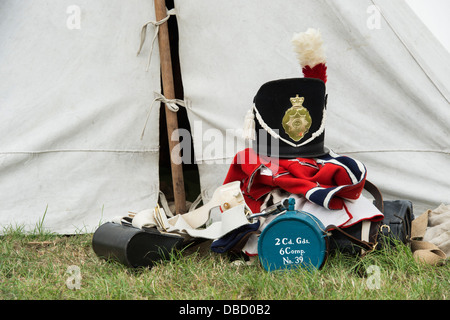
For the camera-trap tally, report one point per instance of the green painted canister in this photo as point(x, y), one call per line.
point(293, 239)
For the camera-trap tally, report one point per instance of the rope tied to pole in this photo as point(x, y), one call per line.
point(172, 105)
point(171, 12)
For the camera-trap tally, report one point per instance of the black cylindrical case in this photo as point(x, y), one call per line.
point(133, 247)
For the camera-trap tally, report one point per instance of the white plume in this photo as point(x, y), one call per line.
point(309, 48)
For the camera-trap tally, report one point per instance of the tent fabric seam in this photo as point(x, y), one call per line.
point(411, 53)
point(398, 150)
point(80, 150)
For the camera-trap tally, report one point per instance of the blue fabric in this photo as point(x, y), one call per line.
point(228, 241)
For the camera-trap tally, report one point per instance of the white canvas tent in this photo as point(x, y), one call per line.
point(73, 100)
point(74, 97)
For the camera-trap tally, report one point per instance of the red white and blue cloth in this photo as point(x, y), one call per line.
point(326, 181)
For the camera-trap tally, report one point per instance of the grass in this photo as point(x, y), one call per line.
point(35, 267)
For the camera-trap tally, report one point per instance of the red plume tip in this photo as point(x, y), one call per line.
point(319, 71)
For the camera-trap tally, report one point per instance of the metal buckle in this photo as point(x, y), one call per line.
point(273, 209)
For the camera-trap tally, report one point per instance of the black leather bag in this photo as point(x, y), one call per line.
point(351, 239)
point(133, 247)
point(397, 222)
point(393, 229)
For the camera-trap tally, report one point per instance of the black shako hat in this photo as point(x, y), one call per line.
point(288, 116)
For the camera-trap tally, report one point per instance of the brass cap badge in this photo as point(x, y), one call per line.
point(297, 120)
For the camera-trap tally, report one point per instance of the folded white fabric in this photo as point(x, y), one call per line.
point(438, 230)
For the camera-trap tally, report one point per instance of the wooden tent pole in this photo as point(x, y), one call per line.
point(171, 117)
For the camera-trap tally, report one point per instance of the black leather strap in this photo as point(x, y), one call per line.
point(373, 190)
point(368, 246)
point(378, 198)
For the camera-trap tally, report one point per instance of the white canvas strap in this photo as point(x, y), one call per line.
point(200, 223)
point(230, 220)
point(365, 232)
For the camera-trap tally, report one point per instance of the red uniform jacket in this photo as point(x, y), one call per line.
point(326, 180)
